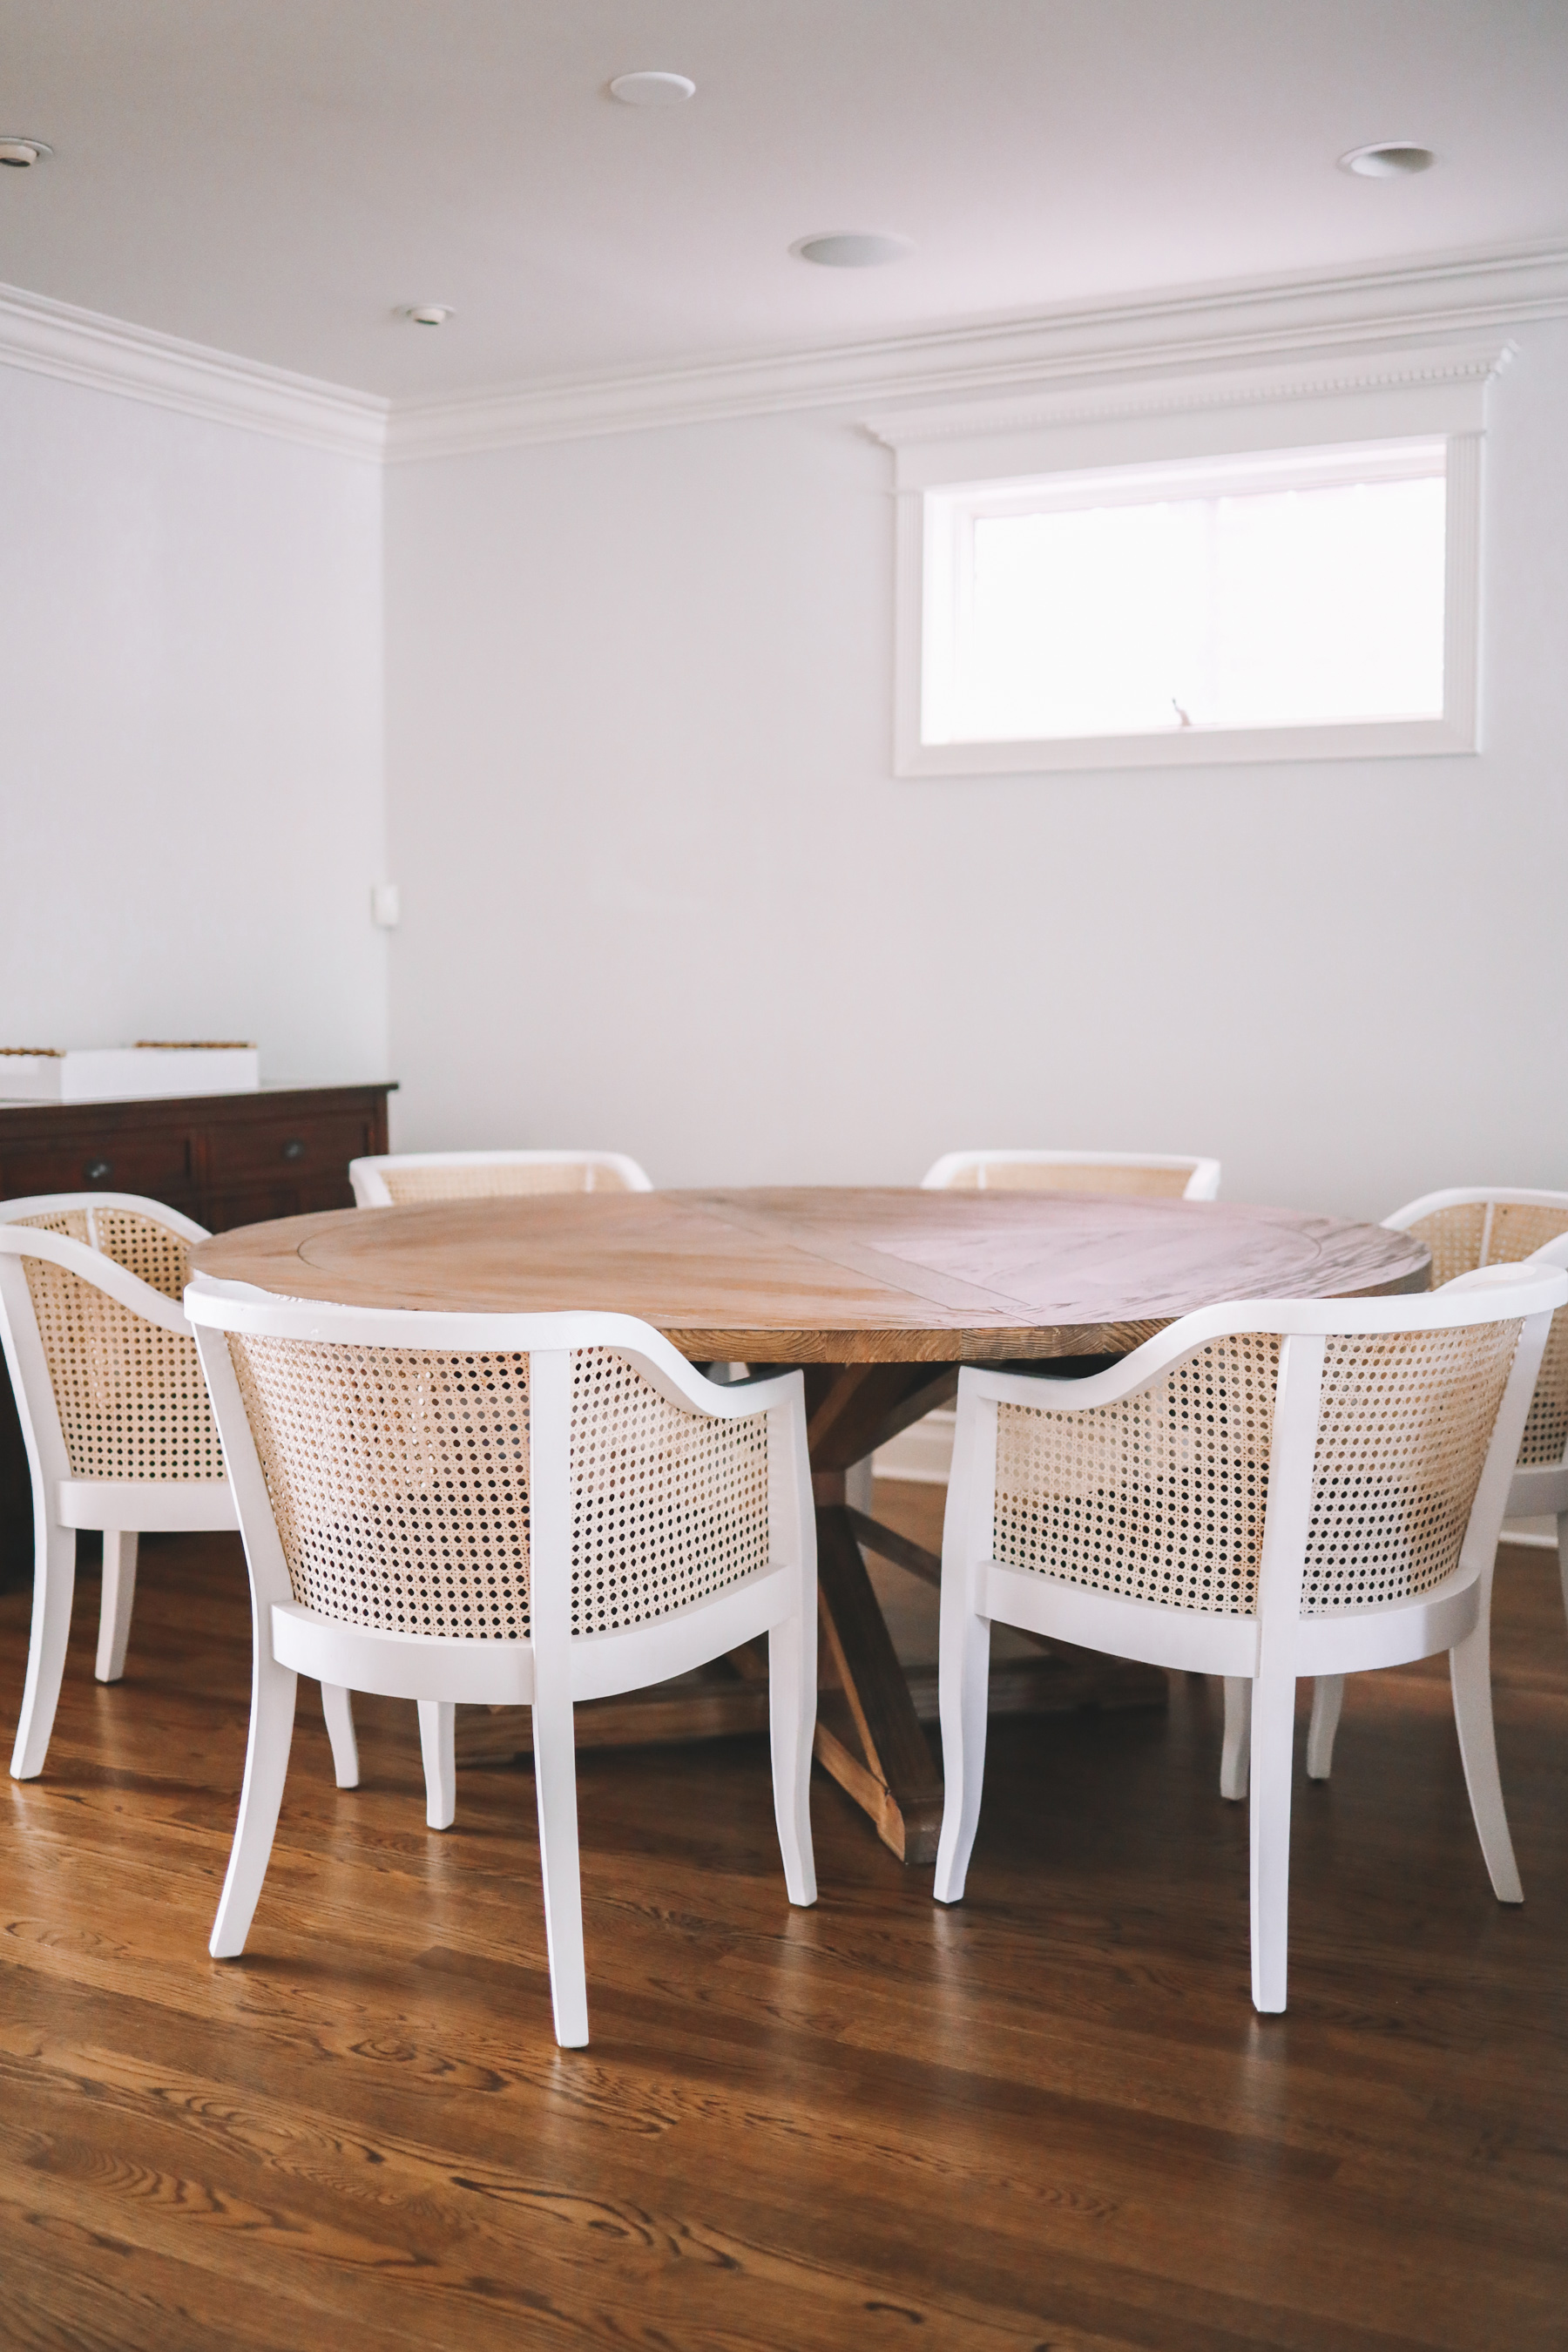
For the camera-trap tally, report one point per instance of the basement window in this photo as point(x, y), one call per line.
point(1080, 587)
point(1300, 589)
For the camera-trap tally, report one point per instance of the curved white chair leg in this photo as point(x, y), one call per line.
point(54, 1583)
point(555, 1787)
point(1328, 1697)
point(119, 1600)
point(1469, 1672)
point(791, 1724)
point(965, 1691)
point(337, 1707)
point(1237, 1735)
point(1273, 1742)
point(273, 1689)
point(437, 1738)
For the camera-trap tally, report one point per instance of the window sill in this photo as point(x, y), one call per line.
point(1195, 747)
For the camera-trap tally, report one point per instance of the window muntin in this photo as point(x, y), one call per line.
point(1299, 589)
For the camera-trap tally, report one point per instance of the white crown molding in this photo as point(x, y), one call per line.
point(81, 347)
point(1382, 368)
point(1204, 328)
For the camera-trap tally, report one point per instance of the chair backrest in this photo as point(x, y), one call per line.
point(396, 1177)
point(1469, 1227)
point(108, 1381)
point(147, 1237)
point(388, 1472)
point(1173, 1175)
point(1544, 1445)
point(1384, 1417)
point(1466, 1229)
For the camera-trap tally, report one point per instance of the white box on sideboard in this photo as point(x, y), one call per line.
point(128, 1073)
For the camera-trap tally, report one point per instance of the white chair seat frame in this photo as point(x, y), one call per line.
point(1271, 1650)
point(549, 1669)
point(121, 1509)
point(459, 1175)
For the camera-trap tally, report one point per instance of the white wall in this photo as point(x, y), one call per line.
point(662, 891)
point(191, 737)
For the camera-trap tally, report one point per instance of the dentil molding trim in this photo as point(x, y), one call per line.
point(1048, 352)
point(1380, 368)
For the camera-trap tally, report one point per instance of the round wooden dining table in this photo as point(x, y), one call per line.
point(881, 1296)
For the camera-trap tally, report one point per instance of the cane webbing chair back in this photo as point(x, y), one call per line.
point(1160, 1496)
point(1463, 1234)
point(130, 1396)
point(396, 1178)
point(154, 1253)
point(482, 1183)
point(1163, 1495)
point(398, 1480)
point(1454, 1235)
point(1087, 1176)
point(1404, 1427)
point(1545, 1440)
point(1151, 1175)
point(1464, 1230)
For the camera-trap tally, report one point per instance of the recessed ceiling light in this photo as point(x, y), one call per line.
point(653, 88)
point(853, 248)
point(1392, 161)
point(427, 314)
point(22, 153)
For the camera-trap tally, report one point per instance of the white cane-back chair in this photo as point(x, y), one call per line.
point(114, 1412)
point(1265, 1491)
point(1464, 1230)
point(1149, 1172)
point(505, 1509)
point(395, 1178)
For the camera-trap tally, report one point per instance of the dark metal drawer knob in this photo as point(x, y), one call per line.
point(98, 1171)
point(293, 1148)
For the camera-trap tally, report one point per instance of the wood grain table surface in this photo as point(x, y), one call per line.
point(830, 1276)
point(879, 1296)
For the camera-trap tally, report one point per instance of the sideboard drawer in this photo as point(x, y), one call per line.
point(301, 1150)
point(160, 1164)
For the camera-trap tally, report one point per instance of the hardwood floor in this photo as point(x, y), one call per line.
point(1049, 2117)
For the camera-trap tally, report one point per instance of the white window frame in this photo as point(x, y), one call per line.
point(1387, 396)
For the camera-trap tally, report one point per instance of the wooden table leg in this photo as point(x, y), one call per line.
point(868, 1736)
point(895, 1778)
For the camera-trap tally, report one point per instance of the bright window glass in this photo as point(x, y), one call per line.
point(1299, 588)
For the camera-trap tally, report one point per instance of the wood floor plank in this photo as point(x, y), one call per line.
point(1048, 2116)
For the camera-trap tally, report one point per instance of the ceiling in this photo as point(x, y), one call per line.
point(277, 177)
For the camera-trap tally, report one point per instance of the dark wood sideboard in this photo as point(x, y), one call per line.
point(224, 1160)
